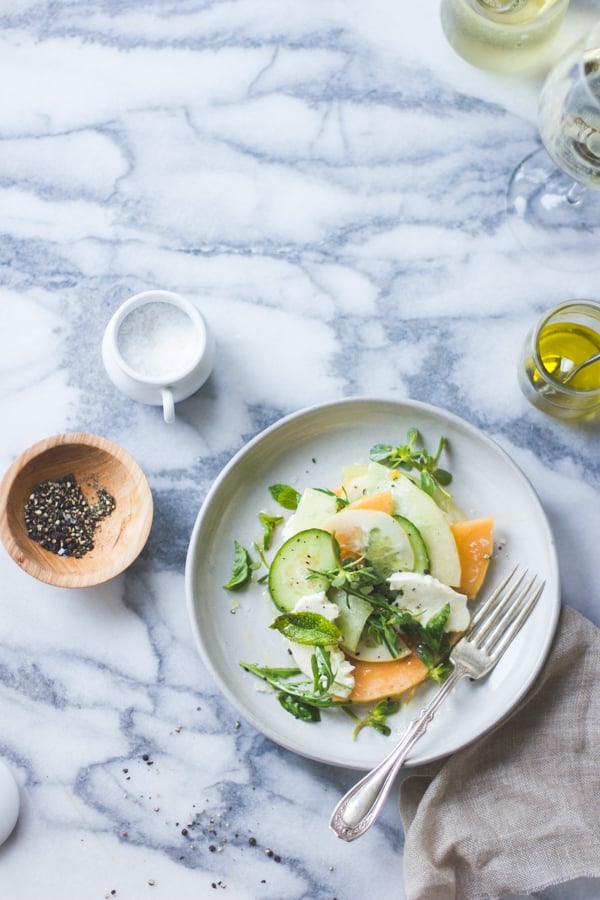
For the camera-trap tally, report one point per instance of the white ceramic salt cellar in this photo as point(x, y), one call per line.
point(10, 802)
point(157, 349)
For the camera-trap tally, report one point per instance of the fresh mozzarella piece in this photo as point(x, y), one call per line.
point(341, 667)
point(317, 603)
point(424, 596)
point(314, 508)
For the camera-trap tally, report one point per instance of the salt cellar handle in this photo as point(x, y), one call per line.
point(168, 405)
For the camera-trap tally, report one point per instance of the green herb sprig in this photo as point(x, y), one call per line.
point(376, 718)
point(302, 698)
point(409, 456)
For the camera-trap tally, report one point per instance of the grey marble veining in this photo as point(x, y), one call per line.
point(326, 180)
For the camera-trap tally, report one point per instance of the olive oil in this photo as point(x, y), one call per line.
point(565, 337)
point(564, 345)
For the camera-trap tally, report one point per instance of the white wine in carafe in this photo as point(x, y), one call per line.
point(502, 35)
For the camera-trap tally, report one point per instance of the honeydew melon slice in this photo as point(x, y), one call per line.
point(314, 508)
point(352, 617)
point(419, 508)
point(413, 503)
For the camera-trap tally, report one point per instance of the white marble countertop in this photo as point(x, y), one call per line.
point(326, 181)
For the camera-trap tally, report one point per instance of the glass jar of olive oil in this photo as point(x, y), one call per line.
point(549, 373)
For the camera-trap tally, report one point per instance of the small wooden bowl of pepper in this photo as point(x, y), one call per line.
point(75, 510)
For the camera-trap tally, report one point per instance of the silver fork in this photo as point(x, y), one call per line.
point(492, 628)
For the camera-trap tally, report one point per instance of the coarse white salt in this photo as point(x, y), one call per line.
point(158, 340)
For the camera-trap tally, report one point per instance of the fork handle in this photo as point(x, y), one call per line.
point(359, 808)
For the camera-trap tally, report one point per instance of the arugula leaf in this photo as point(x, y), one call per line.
point(285, 495)
point(242, 568)
point(323, 676)
point(307, 628)
point(303, 689)
point(272, 672)
point(299, 708)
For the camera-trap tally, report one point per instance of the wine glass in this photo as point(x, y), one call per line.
point(502, 35)
point(554, 194)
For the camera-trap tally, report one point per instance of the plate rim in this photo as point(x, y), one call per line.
point(399, 405)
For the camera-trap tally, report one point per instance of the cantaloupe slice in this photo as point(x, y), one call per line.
point(376, 680)
point(475, 544)
point(383, 502)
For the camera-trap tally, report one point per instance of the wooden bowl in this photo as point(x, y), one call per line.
point(95, 463)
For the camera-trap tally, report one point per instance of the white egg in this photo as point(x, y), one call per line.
point(10, 802)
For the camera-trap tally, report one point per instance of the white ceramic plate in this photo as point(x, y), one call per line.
point(308, 449)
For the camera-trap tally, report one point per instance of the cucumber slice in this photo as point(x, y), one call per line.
point(418, 507)
point(389, 548)
point(291, 572)
point(352, 616)
point(375, 535)
point(421, 562)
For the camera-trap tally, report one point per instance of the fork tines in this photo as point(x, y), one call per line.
point(501, 615)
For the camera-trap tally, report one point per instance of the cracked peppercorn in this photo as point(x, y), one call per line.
point(60, 519)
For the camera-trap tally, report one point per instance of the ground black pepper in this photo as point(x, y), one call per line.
point(58, 516)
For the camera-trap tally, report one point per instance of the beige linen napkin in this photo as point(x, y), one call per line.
point(519, 810)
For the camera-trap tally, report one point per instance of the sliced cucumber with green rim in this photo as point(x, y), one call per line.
point(352, 617)
point(292, 572)
point(389, 548)
point(421, 561)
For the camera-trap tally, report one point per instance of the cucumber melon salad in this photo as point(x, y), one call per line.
point(370, 583)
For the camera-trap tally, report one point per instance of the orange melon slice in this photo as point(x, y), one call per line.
point(475, 544)
point(375, 681)
point(382, 502)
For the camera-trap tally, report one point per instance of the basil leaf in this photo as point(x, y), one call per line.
point(285, 495)
point(307, 628)
point(242, 568)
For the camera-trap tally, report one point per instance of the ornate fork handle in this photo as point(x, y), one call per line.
point(358, 809)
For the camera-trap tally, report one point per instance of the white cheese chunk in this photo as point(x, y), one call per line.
point(424, 596)
point(317, 603)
